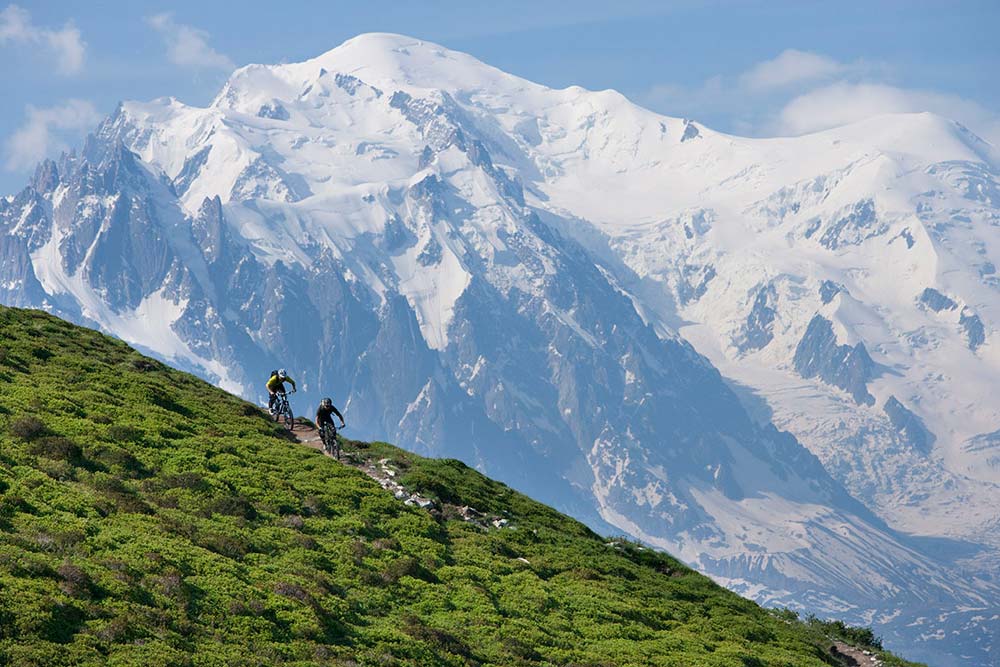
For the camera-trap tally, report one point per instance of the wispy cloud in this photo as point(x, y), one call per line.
point(798, 92)
point(39, 137)
point(187, 46)
point(66, 44)
point(791, 67)
point(789, 72)
point(842, 103)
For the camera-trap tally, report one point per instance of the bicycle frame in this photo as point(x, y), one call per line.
point(282, 408)
point(328, 436)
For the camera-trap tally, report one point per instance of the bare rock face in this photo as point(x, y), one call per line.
point(909, 425)
point(758, 328)
point(844, 366)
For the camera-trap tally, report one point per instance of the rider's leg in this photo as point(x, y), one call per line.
point(271, 396)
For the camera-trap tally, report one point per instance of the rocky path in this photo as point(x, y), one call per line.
point(855, 657)
point(385, 473)
point(307, 434)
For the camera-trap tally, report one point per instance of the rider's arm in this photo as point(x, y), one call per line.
point(337, 412)
point(292, 382)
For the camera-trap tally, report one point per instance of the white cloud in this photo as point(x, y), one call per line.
point(791, 67)
point(188, 46)
point(756, 92)
point(65, 44)
point(800, 92)
point(841, 103)
point(38, 137)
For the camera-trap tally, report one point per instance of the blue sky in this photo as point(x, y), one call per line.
point(756, 68)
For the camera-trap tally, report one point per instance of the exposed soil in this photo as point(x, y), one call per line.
point(854, 657)
point(385, 473)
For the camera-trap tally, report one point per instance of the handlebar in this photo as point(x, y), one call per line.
point(338, 428)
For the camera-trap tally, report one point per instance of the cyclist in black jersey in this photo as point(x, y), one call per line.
point(325, 412)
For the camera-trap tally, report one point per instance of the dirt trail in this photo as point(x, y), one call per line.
point(307, 435)
point(382, 471)
point(855, 657)
point(385, 473)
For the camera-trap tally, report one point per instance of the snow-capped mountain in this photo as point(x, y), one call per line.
point(539, 282)
point(848, 278)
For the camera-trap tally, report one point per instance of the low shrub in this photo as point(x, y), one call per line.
point(224, 545)
point(27, 428)
point(144, 365)
point(75, 582)
point(115, 457)
point(856, 636)
point(183, 480)
point(251, 410)
point(122, 433)
point(407, 566)
point(57, 447)
point(237, 506)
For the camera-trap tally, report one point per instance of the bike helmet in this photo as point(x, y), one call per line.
point(282, 374)
point(327, 403)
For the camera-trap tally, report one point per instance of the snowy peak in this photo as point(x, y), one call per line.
point(587, 137)
point(401, 61)
point(382, 60)
point(924, 136)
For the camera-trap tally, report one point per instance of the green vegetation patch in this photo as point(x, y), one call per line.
point(148, 518)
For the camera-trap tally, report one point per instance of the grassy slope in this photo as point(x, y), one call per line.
point(157, 520)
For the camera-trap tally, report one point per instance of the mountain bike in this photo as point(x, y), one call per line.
point(331, 445)
point(282, 408)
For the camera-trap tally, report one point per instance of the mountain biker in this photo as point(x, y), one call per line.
point(275, 384)
point(325, 412)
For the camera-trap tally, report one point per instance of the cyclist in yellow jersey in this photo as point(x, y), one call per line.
point(275, 384)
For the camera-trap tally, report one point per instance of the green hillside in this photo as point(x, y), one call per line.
point(148, 518)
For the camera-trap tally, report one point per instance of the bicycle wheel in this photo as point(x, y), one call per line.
point(289, 419)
